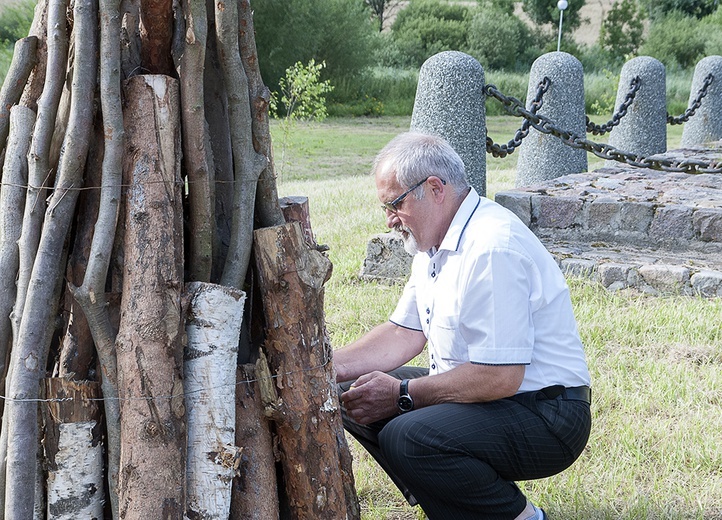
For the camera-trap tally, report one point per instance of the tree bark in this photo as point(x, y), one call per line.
point(267, 209)
point(24, 59)
point(156, 33)
point(148, 345)
point(74, 449)
point(12, 202)
point(247, 163)
point(307, 415)
point(212, 327)
point(33, 341)
point(255, 490)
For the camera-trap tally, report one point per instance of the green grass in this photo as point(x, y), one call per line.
point(655, 448)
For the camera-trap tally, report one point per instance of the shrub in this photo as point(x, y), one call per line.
point(677, 41)
point(338, 32)
point(497, 39)
point(427, 27)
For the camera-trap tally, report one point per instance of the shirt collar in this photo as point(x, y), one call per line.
point(453, 236)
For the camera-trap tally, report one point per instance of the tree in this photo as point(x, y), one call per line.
point(137, 167)
point(657, 9)
point(621, 31)
point(382, 10)
point(676, 41)
point(546, 13)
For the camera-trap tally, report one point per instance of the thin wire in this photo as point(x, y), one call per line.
point(326, 361)
point(181, 182)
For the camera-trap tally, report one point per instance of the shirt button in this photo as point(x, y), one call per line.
point(433, 275)
point(433, 366)
point(428, 311)
point(427, 321)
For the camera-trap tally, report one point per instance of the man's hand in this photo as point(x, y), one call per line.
point(372, 397)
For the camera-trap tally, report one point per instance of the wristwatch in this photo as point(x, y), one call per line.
point(405, 403)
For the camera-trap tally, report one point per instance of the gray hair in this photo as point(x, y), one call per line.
point(414, 156)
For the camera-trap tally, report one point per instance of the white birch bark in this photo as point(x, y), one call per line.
point(75, 488)
point(212, 327)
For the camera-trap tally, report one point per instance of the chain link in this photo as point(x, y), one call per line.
point(605, 151)
point(617, 117)
point(502, 150)
point(672, 120)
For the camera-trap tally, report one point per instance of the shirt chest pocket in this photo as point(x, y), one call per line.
point(445, 339)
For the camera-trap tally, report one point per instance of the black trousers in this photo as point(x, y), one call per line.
point(460, 461)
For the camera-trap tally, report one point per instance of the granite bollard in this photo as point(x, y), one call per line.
point(643, 131)
point(706, 124)
point(543, 157)
point(450, 103)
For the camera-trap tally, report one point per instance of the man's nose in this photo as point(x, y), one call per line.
point(392, 219)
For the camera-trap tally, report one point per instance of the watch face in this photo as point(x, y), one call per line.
point(405, 403)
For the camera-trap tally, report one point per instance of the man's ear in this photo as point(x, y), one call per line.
point(438, 188)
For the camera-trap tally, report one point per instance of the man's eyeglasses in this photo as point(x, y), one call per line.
point(391, 206)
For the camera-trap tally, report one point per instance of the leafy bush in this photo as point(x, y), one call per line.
point(677, 41)
point(379, 91)
point(657, 9)
point(427, 27)
point(338, 32)
point(497, 39)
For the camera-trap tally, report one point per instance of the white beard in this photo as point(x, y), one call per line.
point(410, 245)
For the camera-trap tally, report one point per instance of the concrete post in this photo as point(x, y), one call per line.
point(450, 103)
point(643, 131)
point(541, 156)
point(706, 124)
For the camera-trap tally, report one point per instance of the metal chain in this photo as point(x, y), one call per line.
point(502, 150)
point(672, 120)
point(546, 126)
point(617, 117)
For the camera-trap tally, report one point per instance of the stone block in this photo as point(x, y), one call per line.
point(556, 212)
point(670, 224)
point(612, 273)
point(667, 279)
point(636, 216)
point(707, 223)
point(707, 283)
point(386, 259)
point(578, 267)
point(518, 202)
point(604, 214)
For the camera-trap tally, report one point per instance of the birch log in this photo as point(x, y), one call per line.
point(73, 449)
point(308, 421)
point(148, 345)
point(213, 325)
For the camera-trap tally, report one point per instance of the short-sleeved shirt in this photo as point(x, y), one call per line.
point(492, 294)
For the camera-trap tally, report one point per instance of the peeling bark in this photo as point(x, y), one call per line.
point(212, 327)
point(74, 450)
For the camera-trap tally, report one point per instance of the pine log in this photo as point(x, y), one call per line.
point(255, 490)
point(308, 420)
point(149, 342)
point(213, 325)
point(73, 449)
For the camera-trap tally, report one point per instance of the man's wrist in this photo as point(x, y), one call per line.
point(405, 402)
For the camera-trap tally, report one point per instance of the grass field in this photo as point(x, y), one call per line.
point(655, 450)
